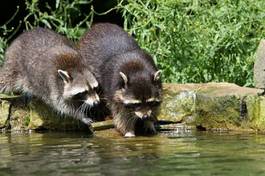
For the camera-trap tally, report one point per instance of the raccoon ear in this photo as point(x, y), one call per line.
point(64, 75)
point(92, 81)
point(124, 77)
point(157, 75)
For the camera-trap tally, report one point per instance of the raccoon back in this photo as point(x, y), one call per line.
point(30, 62)
point(109, 50)
point(103, 41)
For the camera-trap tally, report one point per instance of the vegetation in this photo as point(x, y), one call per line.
point(199, 41)
point(63, 16)
point(191, 40)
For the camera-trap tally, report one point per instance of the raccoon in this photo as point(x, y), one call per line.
point(46, 65)
point(127, 75)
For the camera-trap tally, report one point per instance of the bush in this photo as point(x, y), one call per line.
point(2, 49)
point(191, 40)
point(63, 16)
point(199, 41)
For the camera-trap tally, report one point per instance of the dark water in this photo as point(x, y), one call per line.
point(193, 153)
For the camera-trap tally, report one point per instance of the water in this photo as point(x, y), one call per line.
point(76, 154)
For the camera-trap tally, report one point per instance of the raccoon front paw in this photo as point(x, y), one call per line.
point(129, 134)
point(87, 121)
point(150, 128)
point(150, 131)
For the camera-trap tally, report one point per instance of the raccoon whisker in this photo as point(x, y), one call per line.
point(130, 122)
point(83, 108)
point(101, 98)
point(78, 110)
point(87, 108)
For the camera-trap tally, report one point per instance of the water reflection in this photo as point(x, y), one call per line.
point(188, 153)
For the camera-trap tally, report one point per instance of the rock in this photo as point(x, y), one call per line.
point(35, 116)
point(259, 66)
point(212, 106)
point(98, 126)
point(4, 112)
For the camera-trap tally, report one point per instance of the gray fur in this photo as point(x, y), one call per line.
point(124, 71)
point(31, 66)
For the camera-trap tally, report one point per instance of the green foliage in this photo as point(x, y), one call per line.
point(191, 40)
point(199, 41)
point(2, 49)
point(61, 18)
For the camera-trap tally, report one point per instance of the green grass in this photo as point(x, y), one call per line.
point(65, 17)
point(190, 40)
point(62, 19)
point(199, 40)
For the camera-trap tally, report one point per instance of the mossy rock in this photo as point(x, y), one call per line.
point(36, 115)
point(212, 106)
point(4, 112)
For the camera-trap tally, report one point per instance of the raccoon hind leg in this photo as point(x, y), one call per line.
point(8, 81)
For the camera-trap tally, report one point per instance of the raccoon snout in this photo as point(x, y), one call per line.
point(143, 115)
point(93, 100)
point(96, 102)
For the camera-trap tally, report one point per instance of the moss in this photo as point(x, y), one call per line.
point(177, 106)
point(44, 117)
point(26, 121)
point(3, 113)
point(218, 109)
point(258, 121)
point(217, 112)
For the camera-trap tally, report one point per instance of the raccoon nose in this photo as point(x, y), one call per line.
point(96, 102)
point(145, 116)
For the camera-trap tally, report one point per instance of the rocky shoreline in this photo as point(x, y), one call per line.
point(210, 106)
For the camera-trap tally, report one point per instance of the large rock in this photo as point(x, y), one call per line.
point(259, 67)
point(212, 106)
point(34, 116)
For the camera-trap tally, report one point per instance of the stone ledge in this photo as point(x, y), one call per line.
point(211, 106)
point(214, 106)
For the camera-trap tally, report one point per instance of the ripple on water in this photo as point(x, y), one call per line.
point(165, 154)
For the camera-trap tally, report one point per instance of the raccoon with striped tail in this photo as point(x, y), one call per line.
point(127, 75)
point(47, 66)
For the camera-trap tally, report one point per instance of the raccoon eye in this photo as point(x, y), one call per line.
point(80, 95)
point(153, 103)
point(132, 105)
point(96, 89)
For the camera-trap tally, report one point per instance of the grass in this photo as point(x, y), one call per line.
point(190, 40)
point(199, 41)
point(62, 17)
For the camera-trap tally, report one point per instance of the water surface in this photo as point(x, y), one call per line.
point(191, 153)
